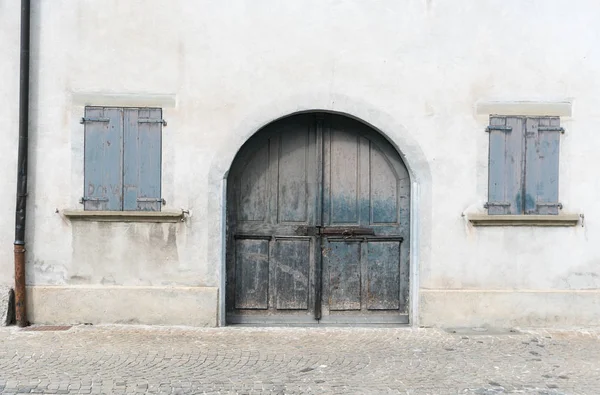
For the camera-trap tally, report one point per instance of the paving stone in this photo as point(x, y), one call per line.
point(130, 359)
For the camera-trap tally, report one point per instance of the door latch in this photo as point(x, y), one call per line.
point(334, 231)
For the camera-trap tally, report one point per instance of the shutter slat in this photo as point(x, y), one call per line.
point(142, 162)
point(103, 160)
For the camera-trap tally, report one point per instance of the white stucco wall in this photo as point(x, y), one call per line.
point(414, 70)
point(9, 114)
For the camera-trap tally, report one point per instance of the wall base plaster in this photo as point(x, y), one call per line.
point(197, 306)
point(4, 292)
point(193, 306)
point(509, 308)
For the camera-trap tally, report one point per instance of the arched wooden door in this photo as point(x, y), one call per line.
point(317, 225)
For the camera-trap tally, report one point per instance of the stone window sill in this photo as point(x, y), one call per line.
point(524, 220)
point(124, 216)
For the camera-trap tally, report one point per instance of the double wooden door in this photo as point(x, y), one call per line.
point(317, 225)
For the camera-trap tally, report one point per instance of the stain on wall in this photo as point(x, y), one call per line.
point(126, 254)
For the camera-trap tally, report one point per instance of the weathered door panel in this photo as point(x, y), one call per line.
point(252, 273)
point(318, 208)
point(271, 192)
point(342, 275)
point(365, 187)
point(384, 208)
point(383, 275)
point(253, 188)
point(293, 169)
point(292, 262)
point(342, 177)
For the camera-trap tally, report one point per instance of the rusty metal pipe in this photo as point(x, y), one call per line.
point(20, 307)
point(21, 206)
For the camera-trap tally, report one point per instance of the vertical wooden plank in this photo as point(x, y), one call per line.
point(291, 258)
point(313, 171)
point(319, 168)
point(326, 188)
point(383, 275)
point(253, 188)
point(344, 186)
point(365, 282)
point(273, 212)
point(273, 179)
point(384, 189)
point(103, 155)
point(293, 169)
point(532, 165)
point(542, 166)
point(364, 177)
point(549, 156)
point(515, 164)
point(142, 159)
point(497, 163)
point(252, 274)
point(343, 275)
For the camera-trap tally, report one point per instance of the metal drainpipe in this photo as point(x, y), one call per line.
point(21, 207)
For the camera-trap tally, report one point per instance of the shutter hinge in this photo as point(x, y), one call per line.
point(496, 204)
point(92, 199)
point(559, 205)
point(150, 120)
point(152, 200)
point(498, 128)
point(88, 120)
point(551, 129)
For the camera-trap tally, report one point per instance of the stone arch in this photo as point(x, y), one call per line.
point(385, 124)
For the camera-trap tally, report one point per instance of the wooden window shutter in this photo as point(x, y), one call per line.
point(541, 171)
point(103, 159)
point(506, 165)
point(142, 159)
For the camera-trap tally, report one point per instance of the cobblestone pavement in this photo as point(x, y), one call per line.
point(133, 359)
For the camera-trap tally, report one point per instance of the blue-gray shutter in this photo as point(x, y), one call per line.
point(142, 159)
point(103, 158)
point(506, 165)
point(541, 171)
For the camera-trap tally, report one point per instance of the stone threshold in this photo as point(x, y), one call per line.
point(524, 220)
point(124, 216)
